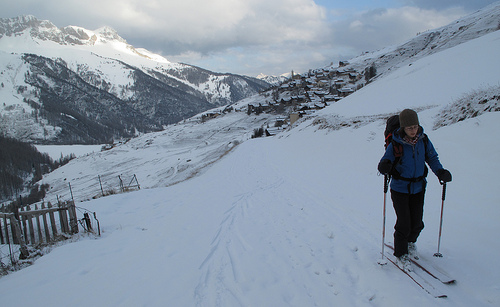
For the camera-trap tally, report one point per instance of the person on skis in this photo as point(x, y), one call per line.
point(404, 160)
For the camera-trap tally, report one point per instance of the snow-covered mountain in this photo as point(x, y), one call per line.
point(73, 85)
point(290, 220)
point(274, 80)
point(319, 87)
point(388, 59)
point(207, 140)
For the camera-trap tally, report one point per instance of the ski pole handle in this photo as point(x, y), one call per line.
point(443, 196)
point(387, 178)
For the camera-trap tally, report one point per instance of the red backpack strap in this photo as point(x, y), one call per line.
point(397, 149)
point(388, 140)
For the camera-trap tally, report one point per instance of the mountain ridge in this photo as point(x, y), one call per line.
point(469, 27)
point(155, 91)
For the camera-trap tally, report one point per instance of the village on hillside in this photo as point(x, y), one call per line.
point(302, 94)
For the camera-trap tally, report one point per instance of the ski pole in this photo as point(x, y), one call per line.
point(386, 187)
point(438, 254)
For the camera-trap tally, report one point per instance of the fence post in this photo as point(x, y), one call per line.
point(137, 181)
point(39, 226)
point(122, 188)
point(52, 220)
point(24, 226)
point(73, 221)
point(15, 234)
point(15, 223)
point(45, 225)
point(102, 190)
point(63, 219)
point(6, 229)
point(86, 218)
point(2, 241)
point(30, 226)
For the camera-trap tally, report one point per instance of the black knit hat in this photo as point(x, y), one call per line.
point(408, 118)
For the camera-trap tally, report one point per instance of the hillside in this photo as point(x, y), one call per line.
point(76, 86)
point(388, 59)
point(21, 165)
point(290, 220)
point(309, 91)
point(184, 149)
point(293, 220)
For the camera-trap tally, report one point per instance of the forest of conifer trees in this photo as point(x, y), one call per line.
point(21, 166)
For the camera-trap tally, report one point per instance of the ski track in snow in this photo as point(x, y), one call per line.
point(283, 213)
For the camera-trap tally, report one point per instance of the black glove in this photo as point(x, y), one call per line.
point(444, 175)
point(385, 166)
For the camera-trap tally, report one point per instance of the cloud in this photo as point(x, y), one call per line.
point(201, 25)
point(378, 28)
point(342, 39)
point(281, 36)
point(446, 4)
point(249, 36)
point(231, 35)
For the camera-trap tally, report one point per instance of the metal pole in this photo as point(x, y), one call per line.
point(71, 192)
point(438, 254)
point(386, 188)
point(102, 190)
point(121, 184)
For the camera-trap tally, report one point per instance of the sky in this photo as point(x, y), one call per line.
point(251, 37)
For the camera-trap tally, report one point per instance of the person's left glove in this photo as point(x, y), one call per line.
point(385, 166)
point(444, 175)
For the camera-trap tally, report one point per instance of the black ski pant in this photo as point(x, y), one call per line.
point(409, 212)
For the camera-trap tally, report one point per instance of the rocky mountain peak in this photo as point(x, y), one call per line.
point(109, 33)
point(17, 25)
point(65, 91)
point(47, 31)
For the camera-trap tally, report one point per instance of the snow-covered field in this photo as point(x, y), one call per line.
point(292, 220)
point(56, 152)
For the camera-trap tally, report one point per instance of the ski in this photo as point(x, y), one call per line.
point(429, 269)
point(421, 282)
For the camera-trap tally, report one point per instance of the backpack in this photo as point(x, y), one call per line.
point(392, 124)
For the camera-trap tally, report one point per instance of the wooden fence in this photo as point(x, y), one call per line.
point(38, 226)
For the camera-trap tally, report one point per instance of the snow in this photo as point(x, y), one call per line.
point(292, 220)
point(108, 60)
point(56, 151)
point(421, 77)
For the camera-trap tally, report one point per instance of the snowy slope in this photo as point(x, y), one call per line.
point(276, 224)
point(472, 26)
point(293, 220)
point(432, 81)
point(184, 149)
point(158, 159)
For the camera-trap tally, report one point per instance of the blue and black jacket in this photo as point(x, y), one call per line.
point(408, 175)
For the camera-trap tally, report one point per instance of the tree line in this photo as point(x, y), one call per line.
point(21, 167)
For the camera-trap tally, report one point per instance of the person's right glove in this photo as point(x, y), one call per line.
point(444, 175)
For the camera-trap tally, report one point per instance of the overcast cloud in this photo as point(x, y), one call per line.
point(253, 36)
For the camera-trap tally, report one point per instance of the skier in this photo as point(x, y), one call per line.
point(408, 172)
